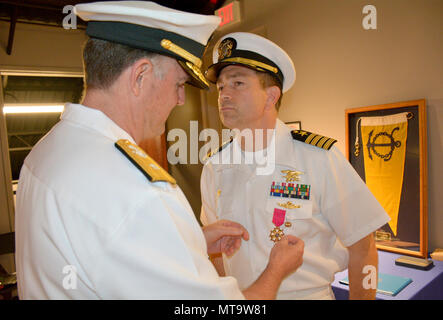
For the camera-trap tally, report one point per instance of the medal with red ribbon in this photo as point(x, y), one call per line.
point(278, 219)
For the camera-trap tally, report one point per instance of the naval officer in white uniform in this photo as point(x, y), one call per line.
point(289, 182)
point(96, 217)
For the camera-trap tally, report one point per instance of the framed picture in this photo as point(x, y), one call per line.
point(296, 125)
point(387, 146)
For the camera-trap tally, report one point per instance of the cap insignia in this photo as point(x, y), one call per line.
point(225, 48)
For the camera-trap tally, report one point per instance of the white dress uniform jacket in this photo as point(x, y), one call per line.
point(89, 225)
point(340, 211)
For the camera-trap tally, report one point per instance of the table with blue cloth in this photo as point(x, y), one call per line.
point(425, 285)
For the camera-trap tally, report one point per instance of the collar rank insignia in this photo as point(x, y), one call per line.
point(313, 139)
point(224, 145)
point(143, 162)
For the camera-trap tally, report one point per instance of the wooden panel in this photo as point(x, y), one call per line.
point(156, 149)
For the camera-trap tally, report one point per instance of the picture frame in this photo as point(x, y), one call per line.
point(411, 229)
point(296, 125)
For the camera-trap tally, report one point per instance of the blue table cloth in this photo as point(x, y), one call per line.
point(426, 285)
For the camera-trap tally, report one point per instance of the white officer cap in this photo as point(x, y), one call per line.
point(154, 28)
point(252, 51)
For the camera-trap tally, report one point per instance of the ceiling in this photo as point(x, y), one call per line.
point(50, 12)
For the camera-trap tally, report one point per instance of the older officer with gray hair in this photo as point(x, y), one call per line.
point(96, 217)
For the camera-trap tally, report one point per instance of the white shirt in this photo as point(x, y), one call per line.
point(89, 225)
point(340, 211)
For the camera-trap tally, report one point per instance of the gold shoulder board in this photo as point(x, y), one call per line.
point(211, 153)
point(151, 169)
point(313, 139)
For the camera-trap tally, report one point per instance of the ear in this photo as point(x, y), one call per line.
point(273, 94)
point(140, 75)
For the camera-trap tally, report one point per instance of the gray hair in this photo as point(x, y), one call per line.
point(104, 61)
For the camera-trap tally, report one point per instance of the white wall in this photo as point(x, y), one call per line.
point(340, 65)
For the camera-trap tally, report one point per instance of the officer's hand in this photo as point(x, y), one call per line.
point(286, 256)
point(224, 236)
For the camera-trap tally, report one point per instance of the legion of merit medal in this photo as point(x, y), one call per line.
point(278, 219)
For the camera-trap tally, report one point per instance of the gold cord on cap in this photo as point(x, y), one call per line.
point(197, 72)
point(169, 45)
point(252, 63)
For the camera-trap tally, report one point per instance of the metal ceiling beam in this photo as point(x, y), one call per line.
point(27, 133)
point(45, 24)
point(35, 14)
point(30, 5)
point(12, 30)
point(20, 149)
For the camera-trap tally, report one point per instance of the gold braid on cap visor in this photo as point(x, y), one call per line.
point(169, 45)
point(197, 72)
point(252, 63)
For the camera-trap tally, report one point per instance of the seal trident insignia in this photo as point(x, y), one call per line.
point(373, 145)
point(291, 175)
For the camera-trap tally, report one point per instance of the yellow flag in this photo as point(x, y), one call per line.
point(384, 140)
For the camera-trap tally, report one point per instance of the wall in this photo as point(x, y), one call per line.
point(187, 174)
point(41, 48)
point(340, 65)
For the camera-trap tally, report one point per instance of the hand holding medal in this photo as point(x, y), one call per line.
point(287, 255)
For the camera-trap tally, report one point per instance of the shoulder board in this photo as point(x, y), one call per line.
point(224, 145)
point(151, 169)
point(313, 139)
